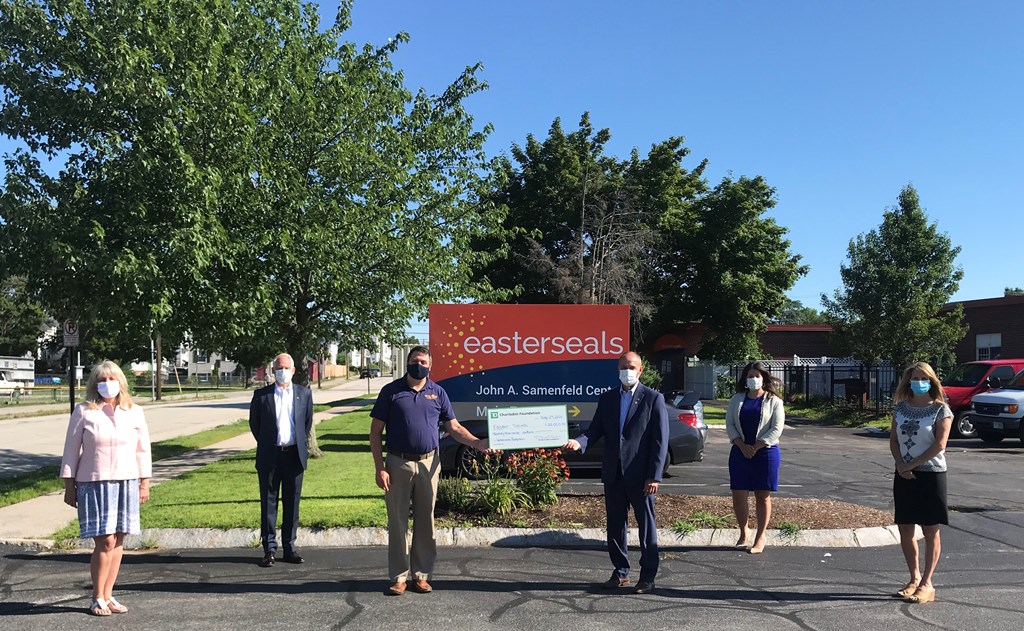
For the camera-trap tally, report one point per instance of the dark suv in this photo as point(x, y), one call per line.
point(366, 373)
point(973, 378)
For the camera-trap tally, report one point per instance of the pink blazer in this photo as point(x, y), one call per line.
point(100, 448)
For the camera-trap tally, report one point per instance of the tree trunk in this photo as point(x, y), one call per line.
point(159, 368)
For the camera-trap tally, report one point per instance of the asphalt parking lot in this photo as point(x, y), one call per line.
point(851, 465)
point(978, 585)
point(979, 581)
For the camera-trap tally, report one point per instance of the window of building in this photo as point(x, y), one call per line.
point(988, 345)
point(204, 377)
point(201, 356)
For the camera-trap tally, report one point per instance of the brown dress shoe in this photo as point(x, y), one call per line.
point(395, 589)
point(615, 582)
point(421, 586)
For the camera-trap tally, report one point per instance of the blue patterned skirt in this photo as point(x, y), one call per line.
point(107, 507)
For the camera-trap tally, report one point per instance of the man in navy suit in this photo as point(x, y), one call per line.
point(633, 421)
point(280, 417)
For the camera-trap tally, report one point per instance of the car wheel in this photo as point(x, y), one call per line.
point(963, 427)
point(668, 461)
point(464, 459)
point(989, 437)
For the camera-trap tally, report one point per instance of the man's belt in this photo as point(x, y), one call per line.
point(285, 447)
point(412, 457)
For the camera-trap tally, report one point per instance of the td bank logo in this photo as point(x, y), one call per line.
point(494, 415)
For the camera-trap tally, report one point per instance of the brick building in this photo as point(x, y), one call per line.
point(671, 347)
point(995, 328)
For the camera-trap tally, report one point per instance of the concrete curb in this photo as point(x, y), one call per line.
point(209, 538)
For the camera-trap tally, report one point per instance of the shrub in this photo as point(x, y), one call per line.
point(539, 473)
point(454, 494)
point(497, 494)
point(500, 496)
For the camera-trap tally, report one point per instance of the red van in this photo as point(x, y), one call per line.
point(973, 378)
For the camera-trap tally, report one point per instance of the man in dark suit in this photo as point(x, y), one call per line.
point(633, 421)
point(280, 417)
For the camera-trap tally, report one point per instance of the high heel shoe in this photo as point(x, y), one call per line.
point(924, 594)
point(908, 590)
point(757, 548)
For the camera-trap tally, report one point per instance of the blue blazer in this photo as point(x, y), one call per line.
point(263, 423)
point(642, 449)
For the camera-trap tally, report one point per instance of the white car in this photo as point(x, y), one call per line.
point(997, 414)
point(10, 389)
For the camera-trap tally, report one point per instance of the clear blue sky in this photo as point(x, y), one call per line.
point(837, 104)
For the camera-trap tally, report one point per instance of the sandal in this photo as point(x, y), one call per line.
point(116, 607)
point(908, 590)
point(99, 608)
point(924, 594)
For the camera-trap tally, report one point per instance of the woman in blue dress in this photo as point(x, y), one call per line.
point(754, 421)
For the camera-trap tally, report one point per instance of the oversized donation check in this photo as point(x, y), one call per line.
point(528, 427)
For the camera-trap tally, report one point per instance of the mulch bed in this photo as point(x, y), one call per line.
point(587, 511)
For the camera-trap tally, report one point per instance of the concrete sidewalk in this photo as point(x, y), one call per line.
point(31, 522)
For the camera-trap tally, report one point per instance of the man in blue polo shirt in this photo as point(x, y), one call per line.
point(412, 408)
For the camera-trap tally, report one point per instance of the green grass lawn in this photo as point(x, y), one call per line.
point(338, 489)
point(836, 414)
point(44, 480)
point(714, 415)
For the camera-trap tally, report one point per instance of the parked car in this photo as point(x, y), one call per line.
point(687, 434)
point(997, 414)
point(366, 373)
point(10, 389)
point(973, 378)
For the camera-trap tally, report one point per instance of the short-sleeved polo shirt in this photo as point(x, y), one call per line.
point(412, 418)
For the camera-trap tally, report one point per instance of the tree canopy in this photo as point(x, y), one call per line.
point(895, 281)
point(724, 263)
point(794, 312)
point(234, 173)
point(585, 227)
point(22, 320)
point(582, 225)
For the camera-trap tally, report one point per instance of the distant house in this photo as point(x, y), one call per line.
point(995, 328)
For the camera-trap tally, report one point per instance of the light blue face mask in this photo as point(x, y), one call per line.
point(920, 386)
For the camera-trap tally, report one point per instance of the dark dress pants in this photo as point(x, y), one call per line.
point(618, 497)
point(284, 481)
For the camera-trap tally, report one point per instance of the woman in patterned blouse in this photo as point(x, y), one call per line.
point(917, 440)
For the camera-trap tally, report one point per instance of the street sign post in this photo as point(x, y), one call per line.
point(71, 342)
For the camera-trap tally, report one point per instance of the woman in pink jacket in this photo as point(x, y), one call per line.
point(106, 469)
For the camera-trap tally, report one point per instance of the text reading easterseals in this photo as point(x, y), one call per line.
point(516, 344)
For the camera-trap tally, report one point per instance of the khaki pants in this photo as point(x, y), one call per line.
point(416, 481)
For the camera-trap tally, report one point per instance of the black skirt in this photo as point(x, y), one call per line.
point(921, 501)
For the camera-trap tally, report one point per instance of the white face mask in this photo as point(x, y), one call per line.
point(754, 383)
point(109, 389)
point(628, 377)
point(283, 376)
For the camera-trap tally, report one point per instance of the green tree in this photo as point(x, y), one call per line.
point(895, 281)
point(582, 225)
point(233, 173)
point(794, 312)
point(724, 263)
point(142, 101)
point(363, 201)
point(22, 320)
point(1013, 291)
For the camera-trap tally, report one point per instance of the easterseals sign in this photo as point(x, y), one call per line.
point(489, 356)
